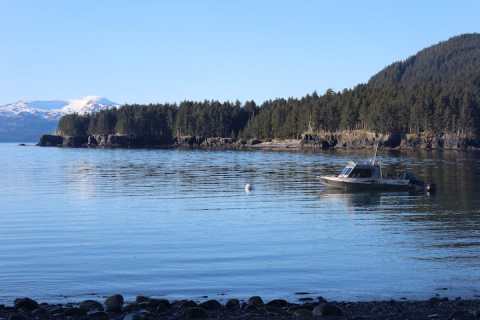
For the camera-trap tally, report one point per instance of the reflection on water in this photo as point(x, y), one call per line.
point(79, 222)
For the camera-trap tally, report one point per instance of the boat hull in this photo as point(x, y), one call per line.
point(351, 184)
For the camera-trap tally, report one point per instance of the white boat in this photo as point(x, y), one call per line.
point(369, 176)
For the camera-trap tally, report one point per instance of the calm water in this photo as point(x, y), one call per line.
point(78, 223)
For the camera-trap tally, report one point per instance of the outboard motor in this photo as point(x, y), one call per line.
point(419, 185)
point(430, 187)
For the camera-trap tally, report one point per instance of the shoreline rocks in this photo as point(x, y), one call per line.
point(355, 139)
point(358, 139)
point(145, 308)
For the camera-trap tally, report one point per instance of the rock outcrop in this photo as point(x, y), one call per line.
point(48, 140)
point(357, 139)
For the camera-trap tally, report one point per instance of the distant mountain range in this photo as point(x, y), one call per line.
point(25, 121)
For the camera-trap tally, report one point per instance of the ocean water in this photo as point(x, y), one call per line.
point(84, 223)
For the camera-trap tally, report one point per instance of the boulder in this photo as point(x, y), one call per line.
point(303, 314)
point(159, 304)
point(97, 315)
point(91, 305)
point(211, 305)
point(461, 315)
point(26, 304)
point(278, 303)
point(140, 299)
point(140, 315)
point(255, 301)
point(326, 310)
point(196, 313)
point(153, 305)
point(16, 316)
point(233, 304)
point(114, 303)
point(74, 312)
point(40, 314)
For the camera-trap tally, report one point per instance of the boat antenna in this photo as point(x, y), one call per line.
point(375, 154)
point(375, 159)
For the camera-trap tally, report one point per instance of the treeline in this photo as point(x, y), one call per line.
point(163, 122)
point(437, 91)
point(428, 108)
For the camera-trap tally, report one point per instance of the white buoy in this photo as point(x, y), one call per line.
point(248, 187)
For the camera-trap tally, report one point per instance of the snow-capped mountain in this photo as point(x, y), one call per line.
point(55, 109)
point(27, 120)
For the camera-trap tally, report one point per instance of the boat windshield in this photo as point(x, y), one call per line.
point(361, 173)
point(346, 171)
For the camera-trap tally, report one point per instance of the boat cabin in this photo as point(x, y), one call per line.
point(361, 170)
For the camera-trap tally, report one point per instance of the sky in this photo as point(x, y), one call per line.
point(147, 51)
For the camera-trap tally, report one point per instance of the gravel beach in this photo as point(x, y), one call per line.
point(145, 308)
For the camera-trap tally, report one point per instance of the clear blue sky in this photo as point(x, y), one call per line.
point(157, 51)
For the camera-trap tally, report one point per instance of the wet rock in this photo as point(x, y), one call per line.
point(309, 305)
point(196, 313)
point(40, 314)
point(97, 315)
point(278, 303)
point(114, 303)
point(303, 314)
point(255, 301)
point(26, 304)
point(17, 316)
point(56, 311)
point(153, 305)
point(434, 301)
point(321, 299)
point(461, 315)
point(132, 307)
point(233, 304)
point(160, 305)
point(91, 305)
point(185, 304)
point(327, 309)
point(211, 305)
point(251, 308)
point(141, 315)
point(140, 299)
point(74, 312)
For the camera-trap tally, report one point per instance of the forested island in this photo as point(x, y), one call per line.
point(430, 100)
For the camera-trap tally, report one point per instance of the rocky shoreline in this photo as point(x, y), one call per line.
point(356, 139)
point(145, 308)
